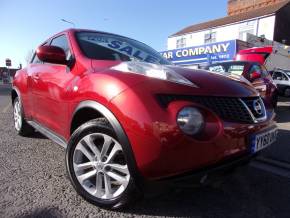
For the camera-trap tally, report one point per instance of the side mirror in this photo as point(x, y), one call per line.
point(51, 54)
point(255, 75)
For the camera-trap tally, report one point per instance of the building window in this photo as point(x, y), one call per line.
point(181, 43)
point(245, 28)
point(210, 37)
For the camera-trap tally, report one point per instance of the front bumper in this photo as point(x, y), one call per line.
point(161, 150)
point(221, 167)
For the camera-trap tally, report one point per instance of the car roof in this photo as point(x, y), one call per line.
point(75, 30)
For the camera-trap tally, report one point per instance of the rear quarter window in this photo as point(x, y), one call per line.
point(217, 68)
point(236, 69)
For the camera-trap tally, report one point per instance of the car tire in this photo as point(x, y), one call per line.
point(20, 125)
point(287, 92)
point(94, 143)
point(275, 100)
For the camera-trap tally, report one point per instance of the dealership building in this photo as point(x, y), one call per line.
point(221, 39)
point(6, 73)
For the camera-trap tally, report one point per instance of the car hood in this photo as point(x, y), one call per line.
point(208, 83)
point(217, 83)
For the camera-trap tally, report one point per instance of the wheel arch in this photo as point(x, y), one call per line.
point(100, 110)
point(15, 93)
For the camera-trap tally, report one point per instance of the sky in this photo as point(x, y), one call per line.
point(27, 23)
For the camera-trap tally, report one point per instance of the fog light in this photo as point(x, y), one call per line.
point(190, 120)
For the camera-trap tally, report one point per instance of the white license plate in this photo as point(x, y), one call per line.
point(263, 140)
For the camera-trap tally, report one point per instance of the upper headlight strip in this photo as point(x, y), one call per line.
point(153, 70)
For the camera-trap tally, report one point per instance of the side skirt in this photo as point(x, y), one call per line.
point(48, 133)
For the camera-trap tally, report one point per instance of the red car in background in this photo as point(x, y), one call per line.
point(255, 73)
point(126, 116)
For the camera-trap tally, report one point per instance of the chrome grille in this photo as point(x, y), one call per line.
point(230, 109)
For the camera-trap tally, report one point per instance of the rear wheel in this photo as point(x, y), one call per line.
point(97, 166)
point(20, 125)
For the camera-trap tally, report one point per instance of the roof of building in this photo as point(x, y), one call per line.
point(233, 19)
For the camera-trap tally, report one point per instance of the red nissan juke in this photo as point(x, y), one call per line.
point(125, 115)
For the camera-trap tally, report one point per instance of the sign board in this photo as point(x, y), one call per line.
point(209, 53)
point(8, 62)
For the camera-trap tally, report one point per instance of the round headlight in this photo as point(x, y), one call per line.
point(190, 120)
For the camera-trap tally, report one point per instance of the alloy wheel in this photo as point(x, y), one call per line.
point(17, 115)
point(100, 167)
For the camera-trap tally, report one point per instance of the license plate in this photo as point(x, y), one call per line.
point(263, 140)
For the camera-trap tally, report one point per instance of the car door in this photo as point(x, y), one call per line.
point(33, 68)
point(50, 90)
point(281, 80)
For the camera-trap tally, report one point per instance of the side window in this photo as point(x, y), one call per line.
point(61, 41)
point(284, 77)
point(35, 59)
point(217, 68)
point(236, 69)
point(277, 76)
point(265, 73)
point(257, 69)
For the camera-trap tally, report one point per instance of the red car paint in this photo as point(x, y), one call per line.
point(50, 94)
point(259, 54)
point(257, 74)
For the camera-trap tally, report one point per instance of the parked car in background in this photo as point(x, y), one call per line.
point(282, 80)
point(272, 57)
point(255, 73)
point(126, 116)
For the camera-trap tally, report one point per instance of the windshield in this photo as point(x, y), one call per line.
point(288, 73)
point(103, 46)
point(231, 68)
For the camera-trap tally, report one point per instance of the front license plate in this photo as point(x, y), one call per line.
point(263, 140)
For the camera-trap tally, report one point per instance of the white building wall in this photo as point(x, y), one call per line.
point(266, 27)
point(259, 26)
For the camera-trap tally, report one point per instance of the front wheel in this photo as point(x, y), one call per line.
point(97, 166)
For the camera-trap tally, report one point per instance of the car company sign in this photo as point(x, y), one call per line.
point(209, 53)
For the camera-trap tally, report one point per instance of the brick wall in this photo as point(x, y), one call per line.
point(241, 6)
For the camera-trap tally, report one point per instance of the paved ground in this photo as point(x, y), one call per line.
point(281, 150)
point(33, 183)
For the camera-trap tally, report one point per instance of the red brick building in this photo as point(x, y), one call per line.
point(240, 6)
